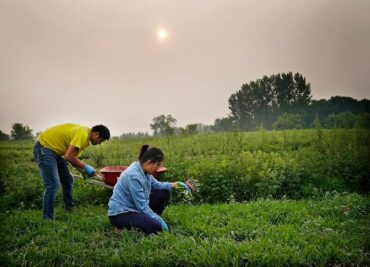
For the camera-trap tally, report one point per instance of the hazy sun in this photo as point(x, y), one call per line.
point(162, 34)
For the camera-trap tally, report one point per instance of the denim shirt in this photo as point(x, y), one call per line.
point(132, 190)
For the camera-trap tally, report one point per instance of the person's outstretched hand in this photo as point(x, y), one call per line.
point(90, 171)
point(163, 224)
point(183, 185)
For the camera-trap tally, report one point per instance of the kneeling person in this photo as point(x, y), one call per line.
point(138, 199)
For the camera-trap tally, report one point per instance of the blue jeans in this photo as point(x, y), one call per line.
point(158, 200)
point(54, 172)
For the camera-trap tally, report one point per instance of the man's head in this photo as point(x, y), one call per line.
point(99, 133)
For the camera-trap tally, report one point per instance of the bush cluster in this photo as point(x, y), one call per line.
point(229, 167)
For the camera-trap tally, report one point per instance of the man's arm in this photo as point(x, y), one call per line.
point(72, 156)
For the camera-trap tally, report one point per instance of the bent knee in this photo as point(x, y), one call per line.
point(164, 195)
point(153, 228)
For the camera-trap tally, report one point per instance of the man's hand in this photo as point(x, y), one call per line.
point(90, 171)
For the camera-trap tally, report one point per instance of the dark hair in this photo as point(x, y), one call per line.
point(102, 130)
point(153, 154)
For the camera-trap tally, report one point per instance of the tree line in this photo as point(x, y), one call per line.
point(284, 101)
point(337, 112)
point(281, 101)
point(18, 132)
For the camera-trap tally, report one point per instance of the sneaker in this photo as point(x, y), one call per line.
point(69, 209)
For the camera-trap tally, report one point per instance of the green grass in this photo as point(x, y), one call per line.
point(331, 231)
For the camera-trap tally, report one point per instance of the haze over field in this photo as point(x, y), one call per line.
point(121, 63)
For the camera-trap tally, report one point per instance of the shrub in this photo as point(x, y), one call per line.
point(288, 121)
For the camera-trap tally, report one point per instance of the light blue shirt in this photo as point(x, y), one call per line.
point(132, 190)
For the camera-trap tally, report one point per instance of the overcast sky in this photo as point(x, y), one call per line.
point(102, 62)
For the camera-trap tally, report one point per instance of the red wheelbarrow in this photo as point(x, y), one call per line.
point(110, 174)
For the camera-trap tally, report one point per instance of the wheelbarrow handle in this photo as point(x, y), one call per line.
point(97, 177)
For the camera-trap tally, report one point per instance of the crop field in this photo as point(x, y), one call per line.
point(266, 198)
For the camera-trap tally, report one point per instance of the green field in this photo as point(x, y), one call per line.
point(265, 198)
point(331, 231)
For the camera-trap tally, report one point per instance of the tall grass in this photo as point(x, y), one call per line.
point(230, 167)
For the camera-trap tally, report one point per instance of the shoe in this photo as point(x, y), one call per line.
point(69, 209)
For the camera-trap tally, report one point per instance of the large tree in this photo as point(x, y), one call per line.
point(260, 102)
point(21, 132)
point(163, 125)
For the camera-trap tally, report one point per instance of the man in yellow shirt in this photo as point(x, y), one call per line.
point(53, 149)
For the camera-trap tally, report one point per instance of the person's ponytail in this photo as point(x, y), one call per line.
point(143, 149)
point(153, 154)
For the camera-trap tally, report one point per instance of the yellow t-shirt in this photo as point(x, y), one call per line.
point(60, 137)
